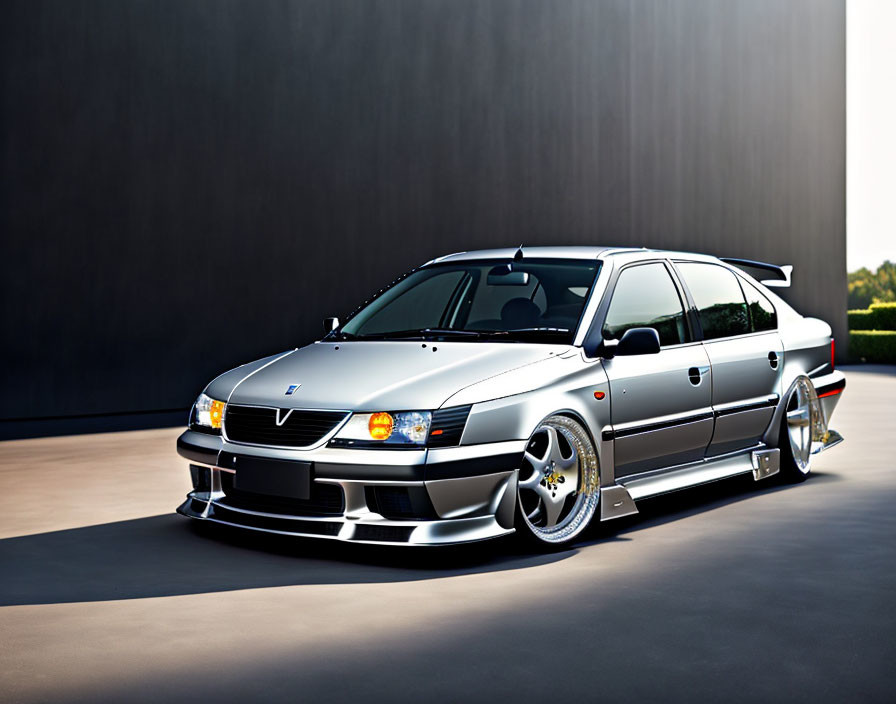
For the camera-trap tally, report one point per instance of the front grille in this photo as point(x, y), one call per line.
point(258, 426)
point(325, 500)
point(447, 426)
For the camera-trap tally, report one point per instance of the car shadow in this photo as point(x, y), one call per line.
point(701, 499)
point(167, 555)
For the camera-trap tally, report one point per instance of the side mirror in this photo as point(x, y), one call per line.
point(330, 324)
point(639, 341)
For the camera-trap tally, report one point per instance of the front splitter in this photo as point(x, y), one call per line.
point(367, 527)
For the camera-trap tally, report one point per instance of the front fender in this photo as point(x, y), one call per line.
point(571, 393)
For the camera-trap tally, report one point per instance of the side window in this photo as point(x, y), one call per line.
point(762, 312)
point(646, 297)
point(720, 301)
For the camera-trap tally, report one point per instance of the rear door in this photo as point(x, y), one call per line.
point(660, 404)
point(740, 336)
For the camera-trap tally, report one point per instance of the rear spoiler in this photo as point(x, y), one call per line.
point(782, 273)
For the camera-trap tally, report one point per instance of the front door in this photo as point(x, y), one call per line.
point(660, 404)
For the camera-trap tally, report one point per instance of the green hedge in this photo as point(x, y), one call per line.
point(884, 316)
point(859, 319)
point(880, 316)
point(873, 346)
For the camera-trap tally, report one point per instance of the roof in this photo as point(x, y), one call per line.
point(571, 252)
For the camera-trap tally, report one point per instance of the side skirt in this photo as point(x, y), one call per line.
point(669, 480)
point(616, 502)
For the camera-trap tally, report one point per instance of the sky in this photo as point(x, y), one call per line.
point(870, 133)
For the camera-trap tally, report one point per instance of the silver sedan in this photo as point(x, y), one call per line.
point(525, 391)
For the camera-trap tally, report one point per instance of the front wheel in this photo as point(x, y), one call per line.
point(558, 489)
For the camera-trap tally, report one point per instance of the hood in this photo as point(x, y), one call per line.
point(375, 375)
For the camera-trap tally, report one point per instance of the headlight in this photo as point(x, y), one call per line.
point(207, 413)
point(379, 429)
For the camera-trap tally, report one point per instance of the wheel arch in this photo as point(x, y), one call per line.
point(577, 417)
point(773, 433)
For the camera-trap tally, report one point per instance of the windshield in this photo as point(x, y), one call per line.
point(537, 300)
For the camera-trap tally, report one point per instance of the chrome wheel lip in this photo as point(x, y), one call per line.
point(577, 475)
point(799, 421)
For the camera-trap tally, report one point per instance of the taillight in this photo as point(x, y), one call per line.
point(832, 354)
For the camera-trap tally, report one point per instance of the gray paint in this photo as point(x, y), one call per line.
point(659, 413)
point(190, 185)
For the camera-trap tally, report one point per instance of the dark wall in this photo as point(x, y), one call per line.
point(189, 185)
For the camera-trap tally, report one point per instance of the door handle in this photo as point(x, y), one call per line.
point(695, 374)
point(773, 359)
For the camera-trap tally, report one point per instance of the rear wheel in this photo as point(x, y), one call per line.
point(795, 440)
point(557, 492)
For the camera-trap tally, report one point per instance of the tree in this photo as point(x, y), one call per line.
point(867, 287)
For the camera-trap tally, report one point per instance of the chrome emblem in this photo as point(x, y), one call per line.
point(281, 419)
point(291, 389)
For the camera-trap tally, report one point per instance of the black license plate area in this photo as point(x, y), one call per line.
point(272, 477)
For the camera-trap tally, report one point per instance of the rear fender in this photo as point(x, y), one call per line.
point(819, 417)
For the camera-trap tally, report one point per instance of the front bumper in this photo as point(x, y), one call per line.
point(454, 495)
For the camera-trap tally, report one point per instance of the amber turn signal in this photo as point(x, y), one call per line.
point(599, 395)
point(380, 426)
point(216, 413)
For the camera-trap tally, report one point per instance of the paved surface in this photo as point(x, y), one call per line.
point(735, 592)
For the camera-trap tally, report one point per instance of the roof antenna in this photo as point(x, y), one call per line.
point(519, 254)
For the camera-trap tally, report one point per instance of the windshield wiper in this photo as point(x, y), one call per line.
point(548, 331)
point(430, 333)
point(451, 331)
point(425, 334)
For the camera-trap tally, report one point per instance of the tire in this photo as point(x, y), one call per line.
point(795, 437)
point(558, 488)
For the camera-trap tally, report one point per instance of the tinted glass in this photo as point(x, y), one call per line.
point(646, 297)
point(719, 299)
point(460, 298)
point(485, 310)
point(762, 312)
point(417, 307)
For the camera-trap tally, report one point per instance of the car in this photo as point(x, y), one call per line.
point(528, 391)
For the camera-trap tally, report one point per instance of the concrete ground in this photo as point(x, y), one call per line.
point(740, 591)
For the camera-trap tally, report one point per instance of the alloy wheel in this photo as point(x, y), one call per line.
point(799, 422)
point(558, 481)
